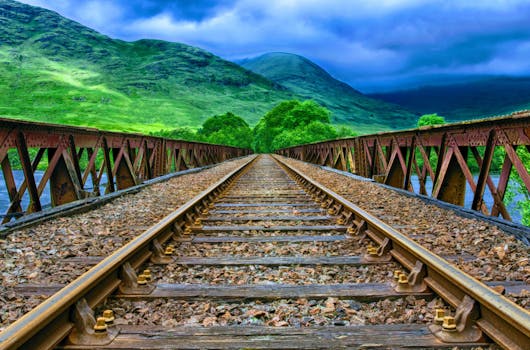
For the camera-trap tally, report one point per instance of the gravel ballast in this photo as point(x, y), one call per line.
point(35, 255)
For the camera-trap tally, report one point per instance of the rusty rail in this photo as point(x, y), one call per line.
point(478, 305)
point(77, 160)
point(46, 325)
point(393, 157)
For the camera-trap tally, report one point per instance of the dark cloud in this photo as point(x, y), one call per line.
point(372, 47)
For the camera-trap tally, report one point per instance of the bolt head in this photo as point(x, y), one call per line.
point(403, 279)
point(108, 315)
point(439, 316)
point(397, 273)
point(142, 280)
point(100, 326)
point(449, 324)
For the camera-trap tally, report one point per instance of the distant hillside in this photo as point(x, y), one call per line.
point(56, 70)
point(348, 105)
point(466, 101)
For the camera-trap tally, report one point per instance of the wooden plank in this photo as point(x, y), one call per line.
point(206, 229)
point(268, 218)
point(273, 260)
point(358, 291)
point(395, 336)
point(511, 287)
point(265, 211)
point(265, 239)
point(274, 204)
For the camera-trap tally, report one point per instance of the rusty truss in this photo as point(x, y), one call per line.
point(78, 161)
point(440, 156)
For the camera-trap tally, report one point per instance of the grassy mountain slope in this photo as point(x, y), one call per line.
point(55, 70)
point(349, 106)
point(466, 101)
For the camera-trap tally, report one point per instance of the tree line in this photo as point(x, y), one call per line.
point(288, 124)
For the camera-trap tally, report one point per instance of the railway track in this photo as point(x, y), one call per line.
point(267, 258)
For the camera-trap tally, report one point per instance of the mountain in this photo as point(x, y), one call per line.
point(348, 105)
point(55, 70)
point(464, 101)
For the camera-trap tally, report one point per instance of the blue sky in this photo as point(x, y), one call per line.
point(373, 45)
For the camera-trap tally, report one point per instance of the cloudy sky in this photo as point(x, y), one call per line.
point(373, 45)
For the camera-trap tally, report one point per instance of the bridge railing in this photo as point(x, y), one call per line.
point(445, 159)
point(76, 163)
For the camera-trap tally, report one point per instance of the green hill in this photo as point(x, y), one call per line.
point(465, 101)
point(349, 106)
point(55, 70)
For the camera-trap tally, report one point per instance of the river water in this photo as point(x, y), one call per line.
point(46, 200)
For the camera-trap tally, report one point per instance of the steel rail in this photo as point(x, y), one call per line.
point(501, 319)
point(46, 325)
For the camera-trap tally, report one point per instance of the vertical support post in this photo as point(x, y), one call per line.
point(410, 160)
point(110, 176)
point(478, 198)
point(25, 161)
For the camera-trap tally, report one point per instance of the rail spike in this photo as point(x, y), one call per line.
point(465, 331)
point(84, 333)
point(381, 254)
point(413, 283)
point(158, 255)
point(129, 282)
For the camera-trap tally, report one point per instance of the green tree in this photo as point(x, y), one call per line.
point(182, 133)
point(226, 129)
point(517, 187)
point(291, 123)
point(344, 131)
point(430, 119)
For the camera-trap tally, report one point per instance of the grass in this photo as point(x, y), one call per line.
point(55, 70)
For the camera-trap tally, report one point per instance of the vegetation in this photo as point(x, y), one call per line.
point(226, 129)
point(430, 119)
point(292, 123)
point(56, 70)
point(517, 188)
point(347, 105)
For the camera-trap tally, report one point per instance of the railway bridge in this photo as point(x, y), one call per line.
point(396, 240)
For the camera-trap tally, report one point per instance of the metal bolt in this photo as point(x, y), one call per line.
point(147, 274)
point(142, 280)
point(351, 230)
point(187, 230)
point(397, 273)
point(168, 251)
point(197, 221)
point(372, 251)
point(205, 211)
point(108, 315)
point(449, 324)
point(439, 316)
point(100, 326)
point(403, 279)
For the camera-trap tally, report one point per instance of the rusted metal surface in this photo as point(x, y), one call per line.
point(76, 161)
point(45, 326)
point(479, 306)
point(394, 157)
point(69, 314)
